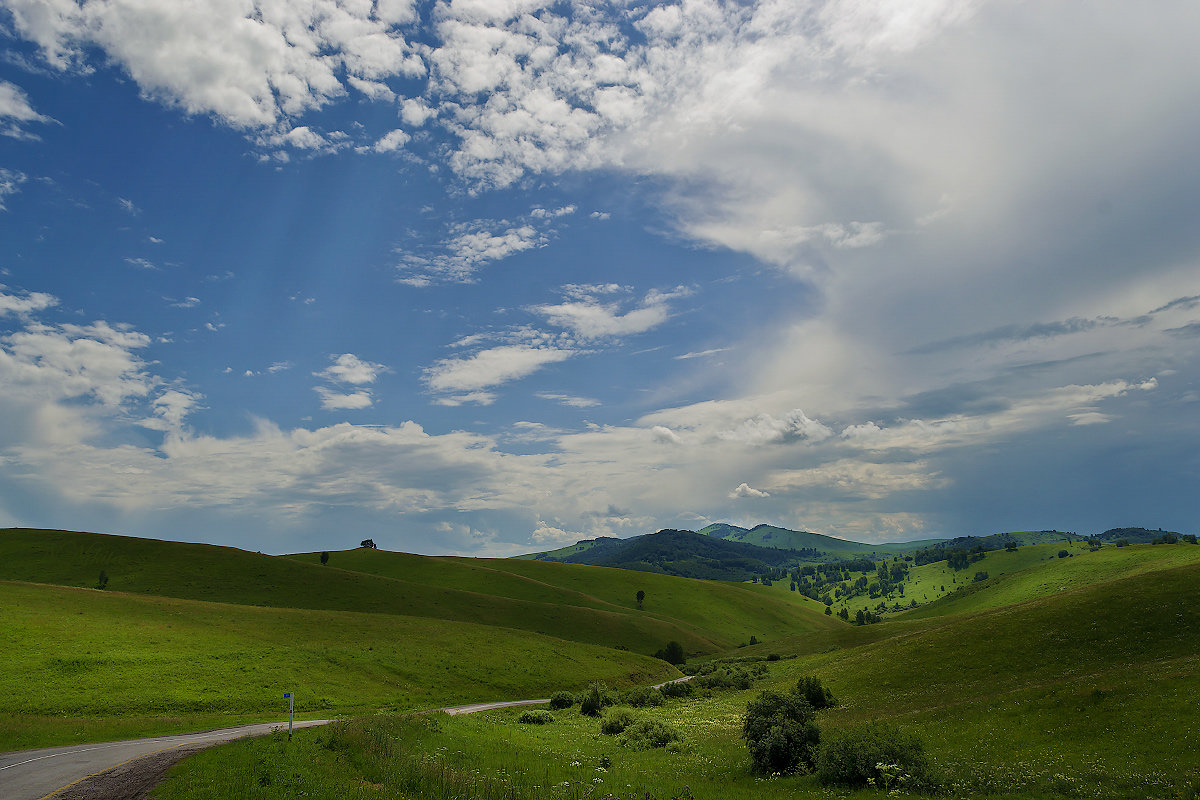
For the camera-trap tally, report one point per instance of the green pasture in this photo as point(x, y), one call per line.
point(1087, 692)
point(73, 661)
point(590, 604)
point(728, 613)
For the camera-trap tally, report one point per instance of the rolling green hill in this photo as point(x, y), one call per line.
point(72, 658)
point(206, 572)
point(729, 612)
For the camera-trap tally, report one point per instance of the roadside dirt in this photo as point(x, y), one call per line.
point(131, 781)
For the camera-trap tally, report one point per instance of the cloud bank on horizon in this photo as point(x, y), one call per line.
point(491, 277)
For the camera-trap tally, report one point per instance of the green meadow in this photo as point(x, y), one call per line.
point(70, 656)
point(1053, 677)
point(1087, 692)
point(599, 609)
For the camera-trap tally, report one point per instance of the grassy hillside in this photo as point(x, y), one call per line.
point(730, 613)
point(418, 587)
point(1033, 572)
point(1088, 692)
point(71, 655)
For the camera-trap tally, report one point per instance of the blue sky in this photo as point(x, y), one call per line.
point(491, 277)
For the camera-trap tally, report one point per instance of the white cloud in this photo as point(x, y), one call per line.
point(25, 304)
point(16, 112)
point(470, 247)
point(334, 401)
point(766, 429)
point(491, 367)
point(392, 141)
point(745, 490)
point(473, 398)
point(544, 213)
point(664, 435)
point(349, 368)
point(415, 112)
point(249, 65)
point(10, 184)
point(570, 400)
point(591, 319)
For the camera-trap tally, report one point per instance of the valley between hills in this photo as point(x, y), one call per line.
point(1024, 665)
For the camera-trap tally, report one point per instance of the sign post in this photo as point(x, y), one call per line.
point(291, 698)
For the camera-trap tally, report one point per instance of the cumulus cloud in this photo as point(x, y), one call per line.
point(26, 303)
point(392, 141)
point(349, 368)
point(249, 65)
point(332, 400)
point(745, 490)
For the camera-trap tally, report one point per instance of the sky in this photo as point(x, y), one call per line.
point(488, 277)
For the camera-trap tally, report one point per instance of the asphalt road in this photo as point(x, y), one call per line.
point(37, 774)
point(41, 774)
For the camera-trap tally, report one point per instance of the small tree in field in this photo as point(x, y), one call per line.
point(324, 558)
point(672, 653)
point(102, 583)
point(369, 543)
point(641, 597)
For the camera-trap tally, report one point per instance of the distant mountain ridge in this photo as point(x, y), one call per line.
point(674, 552)
point(722, 551)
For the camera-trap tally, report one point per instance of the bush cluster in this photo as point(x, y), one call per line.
point(677, 689)
point(535, 718)
point(809, 687)
point(561, 700)
point(781, 732)
point(616, 721)
point(877, 753)
point(594, 699)
point(648, 734)
point(781, 729)
point(643, 696)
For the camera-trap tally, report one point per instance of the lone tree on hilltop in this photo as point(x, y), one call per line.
point(370, 543)
point(324, 558)
point(641, 596)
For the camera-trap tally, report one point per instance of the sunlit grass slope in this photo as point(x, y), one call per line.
point(1085, 693)
point(69, 655)
point(729, 613)
point(418, 587)
point(1096, 683)
point(1032, 572)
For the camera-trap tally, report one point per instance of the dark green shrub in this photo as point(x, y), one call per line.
point(729, 677)
point(648, 734)
point(677, 689)
point(535, 718)
point(642, 696)
point(1063, 554)
point(852, 757)
point(561, 700)
point(981, 576)
point(809, 687)
point(616, 721)
point(672, 653)
point(781, 732)
point(595, 698)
